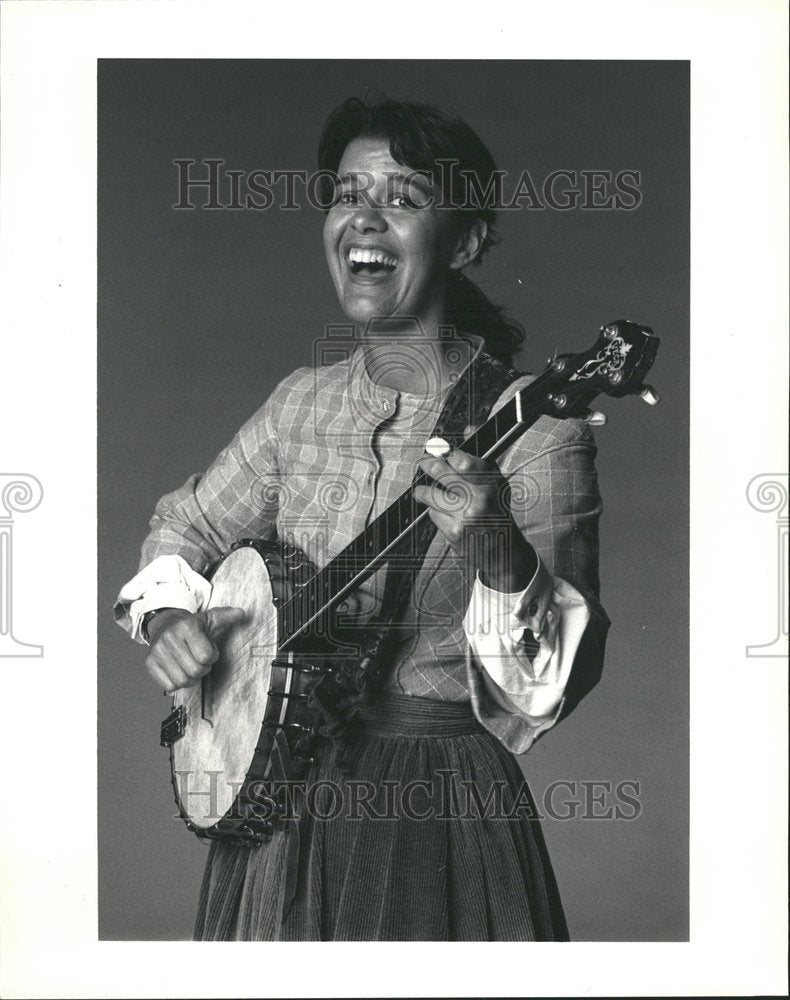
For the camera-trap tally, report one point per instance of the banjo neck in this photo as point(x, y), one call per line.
point(390, 531)
point(615, 365)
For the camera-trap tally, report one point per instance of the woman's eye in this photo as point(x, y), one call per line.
point(397, 201)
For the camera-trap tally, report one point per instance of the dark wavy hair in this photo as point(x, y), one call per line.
point(420, 137)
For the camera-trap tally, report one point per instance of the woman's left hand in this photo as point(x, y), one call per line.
point(469, 502)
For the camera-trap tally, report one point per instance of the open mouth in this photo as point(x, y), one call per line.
point(370, 262)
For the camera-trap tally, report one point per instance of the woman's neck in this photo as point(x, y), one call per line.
point(414, 360)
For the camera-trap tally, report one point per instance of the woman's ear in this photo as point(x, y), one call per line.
point(469, 244)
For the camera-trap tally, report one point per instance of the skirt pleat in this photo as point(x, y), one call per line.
point(422, 860)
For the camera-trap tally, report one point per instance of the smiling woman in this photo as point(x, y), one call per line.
point(389, 247)
point(496, 633)
point(391, 155)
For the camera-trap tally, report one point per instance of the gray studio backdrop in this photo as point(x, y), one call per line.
point(201, 313)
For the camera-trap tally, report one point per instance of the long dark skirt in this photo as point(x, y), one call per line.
point(430, 837)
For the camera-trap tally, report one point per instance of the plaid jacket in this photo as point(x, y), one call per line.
point(327, 452)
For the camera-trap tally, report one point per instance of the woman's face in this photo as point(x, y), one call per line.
point(389, 248)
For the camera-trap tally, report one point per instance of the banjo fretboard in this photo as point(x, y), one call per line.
point(389, 535)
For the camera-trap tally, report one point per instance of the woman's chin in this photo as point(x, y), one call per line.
point(365, 312)
point(385, 316)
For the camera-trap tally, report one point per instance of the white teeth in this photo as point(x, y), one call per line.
point(357, 255)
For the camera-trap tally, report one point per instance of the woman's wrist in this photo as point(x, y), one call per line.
point(513, 573)
point(155, 620)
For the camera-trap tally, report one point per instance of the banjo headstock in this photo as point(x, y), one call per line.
point(615, 365)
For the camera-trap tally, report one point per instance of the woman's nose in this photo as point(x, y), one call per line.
point(369, 219)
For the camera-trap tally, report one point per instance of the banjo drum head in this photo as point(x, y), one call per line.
point(224, 712)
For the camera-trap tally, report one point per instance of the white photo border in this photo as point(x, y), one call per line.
point(739, 322)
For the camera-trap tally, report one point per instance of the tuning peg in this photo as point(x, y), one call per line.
point(595, 418)
point(650, 396)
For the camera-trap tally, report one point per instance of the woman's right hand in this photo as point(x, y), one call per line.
point(183, 647)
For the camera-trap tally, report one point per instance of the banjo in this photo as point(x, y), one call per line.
point(249, 728)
